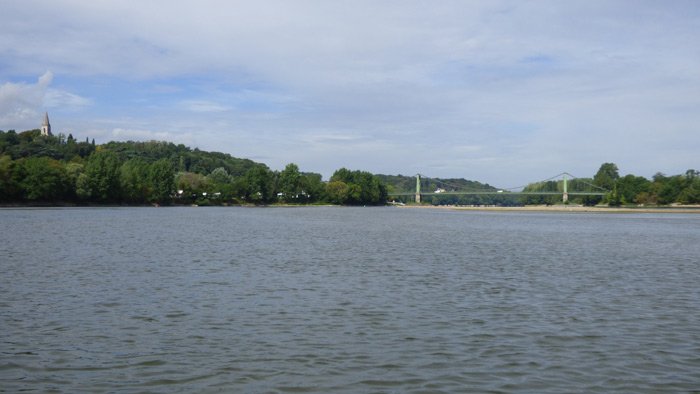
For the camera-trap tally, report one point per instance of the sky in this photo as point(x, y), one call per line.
point(500, 92)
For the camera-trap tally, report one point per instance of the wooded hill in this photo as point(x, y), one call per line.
point(407, 184)
point(40, 169)
point(36, 169)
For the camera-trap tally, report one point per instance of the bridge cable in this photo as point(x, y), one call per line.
point(573, 177)
point(447, 184)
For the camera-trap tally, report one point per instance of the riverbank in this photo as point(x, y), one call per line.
point(527, 208)
point(567, 208)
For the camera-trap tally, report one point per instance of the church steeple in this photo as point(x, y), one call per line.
point(46, 126)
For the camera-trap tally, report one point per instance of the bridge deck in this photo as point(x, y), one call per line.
point(499, 193)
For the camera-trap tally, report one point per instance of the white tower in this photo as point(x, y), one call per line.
point(46, 126)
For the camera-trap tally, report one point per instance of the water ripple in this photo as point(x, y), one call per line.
point(348, 300)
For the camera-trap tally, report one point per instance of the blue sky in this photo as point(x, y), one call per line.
point(502, 92)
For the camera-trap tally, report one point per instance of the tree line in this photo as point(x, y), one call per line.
point(616, 190)
point(623, 190)
point(58, 169)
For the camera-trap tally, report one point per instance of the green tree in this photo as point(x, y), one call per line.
point(9, 187)
point(606, 178)
point(220, 176)
point(363, 188)
point(100, 181)
point(670, 189)
point(630, 187)
point(548, 186)
point(134, 181)
point(337, 192)
point(222, 185)
point(291, 184)
point(190, 186)
point(161, 177)
point(10, 138)
point(313, 187)
point(259, 182)
point(45, 179)
point(73, 171)
point(691, 191)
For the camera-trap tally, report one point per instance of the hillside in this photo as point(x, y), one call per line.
point(407, 184)
point(58, 170)
point(37, 169)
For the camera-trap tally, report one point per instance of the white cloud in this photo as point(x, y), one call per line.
point(55, 98)
point(120, 134)
point(20, 103)
point(203, 106)
point(499, 89)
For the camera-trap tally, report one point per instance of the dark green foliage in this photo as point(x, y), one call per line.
point(548, 186)
point(606, 176)
point(9, 185)
point(116, 172)
point(190, 186)
point(181, 157)
point(576, 184)
point(402, 183)
point(260, 187)
point(337, 192)
point(691, 188)
point(313, 188)
point(32, 144)
point(43, 179)
point(290, 184)
point(669, 189)
point(296, 187)
point(356, 188)
point(398, 183)
point(220, 176)
point(58, 169)
point(407, 184)
point(161, 178)
point(134, 181)
point(206, 162)
point(100, 181)
point(629, 187)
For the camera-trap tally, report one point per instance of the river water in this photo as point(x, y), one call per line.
point(348, 300)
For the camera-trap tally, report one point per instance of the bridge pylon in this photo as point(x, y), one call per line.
point(418, 200)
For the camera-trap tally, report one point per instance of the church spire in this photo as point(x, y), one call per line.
point(46, 126)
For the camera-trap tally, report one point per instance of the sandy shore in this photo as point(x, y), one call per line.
point(567, 208)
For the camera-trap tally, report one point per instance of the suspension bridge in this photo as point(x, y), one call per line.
point(593, 190)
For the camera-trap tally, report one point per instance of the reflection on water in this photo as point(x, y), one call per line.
point(347, 300)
